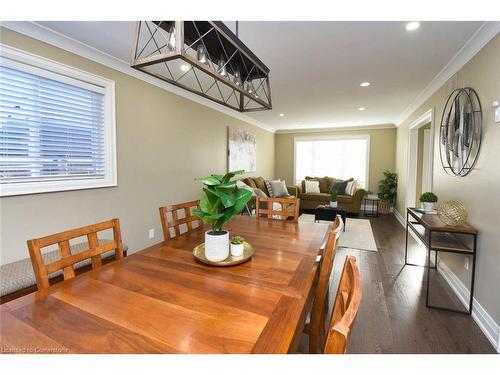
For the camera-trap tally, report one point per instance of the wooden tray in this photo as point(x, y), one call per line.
point(199, 254)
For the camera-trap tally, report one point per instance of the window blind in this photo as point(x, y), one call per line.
point(340, 158)
point(49, 130)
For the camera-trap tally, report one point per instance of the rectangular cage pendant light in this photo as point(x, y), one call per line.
point(206, 58)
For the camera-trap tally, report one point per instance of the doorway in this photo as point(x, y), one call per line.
point(420, 158)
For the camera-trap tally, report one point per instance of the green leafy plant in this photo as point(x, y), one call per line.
point(333, 195)
point(222, 200)
point(428, 197)
point(237, 240)
point(387, 187)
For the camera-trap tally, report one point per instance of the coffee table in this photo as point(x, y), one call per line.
point(329, 213)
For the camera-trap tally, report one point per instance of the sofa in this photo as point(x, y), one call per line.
point(309, 201)
point(259, 182)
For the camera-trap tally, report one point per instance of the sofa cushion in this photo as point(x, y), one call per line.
point(250, 182)
point(277, 188)
point(344, 199)
point(261, 184)
point(312, 187)
point(323, 183)
point(316, 197)
point(341, 186)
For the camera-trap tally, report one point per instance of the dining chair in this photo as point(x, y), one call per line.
point(68, 260)
point(278, 208)
point(176, 223)
point(345, 308)
point(317, 327)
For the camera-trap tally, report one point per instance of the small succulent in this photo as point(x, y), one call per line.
point(237, 240)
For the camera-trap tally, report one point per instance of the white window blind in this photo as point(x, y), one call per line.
point(53, 132)
point(341, 158)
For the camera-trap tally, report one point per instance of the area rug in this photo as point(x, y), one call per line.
point(358, 234)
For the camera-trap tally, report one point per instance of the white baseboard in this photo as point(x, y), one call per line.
point(489, 327)
point(400, 218)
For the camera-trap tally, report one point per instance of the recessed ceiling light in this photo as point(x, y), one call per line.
point(365, 84)
point(361, 108)
point(282, 114)
point(412, 26)
point(185, 67)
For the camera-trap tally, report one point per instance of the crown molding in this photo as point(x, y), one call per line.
point(54, 38)
point(481, 37)
point(334, 129)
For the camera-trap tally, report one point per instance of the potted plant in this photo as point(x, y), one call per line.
point(237, 246)
point(333, 198)
point(387, 189)
point(428, 199)
point(222, 200)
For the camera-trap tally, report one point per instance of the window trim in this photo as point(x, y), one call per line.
point(333, 137)
point(35, 64)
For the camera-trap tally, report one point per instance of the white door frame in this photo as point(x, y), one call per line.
point(411, 174)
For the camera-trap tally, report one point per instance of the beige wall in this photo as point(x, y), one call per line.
point(480, 190)
point(382, 152)
point(164, 142)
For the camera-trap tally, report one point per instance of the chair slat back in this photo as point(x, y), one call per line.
point(345, 309)
point(289, 207)
point(318, 327)
point(176, 222)
point(68, 260)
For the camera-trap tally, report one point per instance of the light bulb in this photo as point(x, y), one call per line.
point(201, 54)
point(221, 67)
point(237, 78)
point(171, 37)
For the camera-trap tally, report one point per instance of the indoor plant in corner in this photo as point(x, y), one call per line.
point(333, 198)
point(428, 199)
point(387, 189)
point(222, 200)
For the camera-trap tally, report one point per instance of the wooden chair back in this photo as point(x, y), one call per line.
point(176, 222)
point(289, 207)
point(317, 331)
point(67, 260)
point(345, 309)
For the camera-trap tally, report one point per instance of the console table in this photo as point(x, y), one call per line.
point(439, 237)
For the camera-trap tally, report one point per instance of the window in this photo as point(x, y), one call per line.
point(57, 129)
point(339, 157)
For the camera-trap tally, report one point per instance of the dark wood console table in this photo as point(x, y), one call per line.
point(439, 237)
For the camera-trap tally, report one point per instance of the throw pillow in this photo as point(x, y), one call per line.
point(241, 185)
point(259, 193)
point(351, 187)
point(261, 184)
point(341, 186)
point(312, 186)
point(277, 188)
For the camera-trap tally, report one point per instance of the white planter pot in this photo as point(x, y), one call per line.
point(428, 206)
point(237, 250)
point(216, 246)
point(333, 204)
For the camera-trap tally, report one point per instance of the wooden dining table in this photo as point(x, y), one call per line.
point(162, 300)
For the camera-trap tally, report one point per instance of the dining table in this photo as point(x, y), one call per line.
point(163, 300)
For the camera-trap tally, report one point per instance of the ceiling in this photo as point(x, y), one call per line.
point(317, 67)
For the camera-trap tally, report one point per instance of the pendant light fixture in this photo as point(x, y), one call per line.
point(223, 69)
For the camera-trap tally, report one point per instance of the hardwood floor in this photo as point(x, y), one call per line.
point(392, 316)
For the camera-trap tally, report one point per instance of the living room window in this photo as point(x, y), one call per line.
point(57, 126)
point(340, 157)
